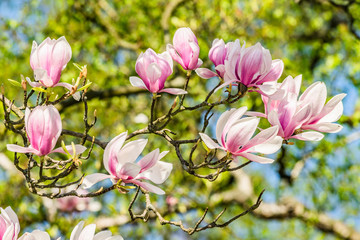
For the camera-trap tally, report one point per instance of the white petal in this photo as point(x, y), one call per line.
point(309, 136)
point(205, 73)
point(94, 178)
point(149, 187)
point(324, 127)
point(131, 151)
point(88, 232)
point(137, 82)
point(256, 158)
point(158, 173)
point(208, 141)
point(174, 91)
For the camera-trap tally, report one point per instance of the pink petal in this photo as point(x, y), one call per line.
point(251, 63)
point(255, 114)
point(273, 119)
point(167, 57)
point(153, 73)
point(33, 84)
point(94, 178)
point(129, 169)
point(264, 142)
point(208, 141)
point(226, 121)
point(110, 160)
point(19, 149)
point(175, 56)
point(240, 133)
point(205, 73)
point(149, 160)
point(174, 91)
point(274, 74)
point(70, 87)
point(256, 158)
point(78, 148)
point(314, 95)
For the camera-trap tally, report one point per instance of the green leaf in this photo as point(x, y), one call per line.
point(15, 83)
point(39, 89)
point(78, 66)
point(85, 87)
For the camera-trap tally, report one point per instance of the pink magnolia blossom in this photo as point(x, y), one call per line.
point(185, 49)
point(253, 67)
point(9, 224)
point(36, 235)
point(73, 203)
point(234, 135)
point(43, 127)
point(48, 60)
point(153, 70)
point(307, 113)
point(88, 233)
point(120, 162)
point(218, 54)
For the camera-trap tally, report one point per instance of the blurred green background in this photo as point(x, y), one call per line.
point(312, 191)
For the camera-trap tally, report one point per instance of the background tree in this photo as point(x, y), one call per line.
point(311, 189)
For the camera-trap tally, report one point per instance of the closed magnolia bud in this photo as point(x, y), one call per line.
point(185, 49)
point(153, 70)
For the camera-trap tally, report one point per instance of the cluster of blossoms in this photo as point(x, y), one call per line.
point(43, 124)
point(252, 68)
point(10, 229)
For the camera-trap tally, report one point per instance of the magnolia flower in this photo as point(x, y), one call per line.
point(120, 162)
point(185, 49)
point(234, 136)
point(218, 54)
point(43, 128)
point(36, 235)
point(292, 116)
point(253, 67)
point(153, 70)
point(9, 224)
point(48, 60)
point(88, 233)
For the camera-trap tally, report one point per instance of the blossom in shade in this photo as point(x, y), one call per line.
point(43, 127)
point(253, 67)
point(185, 49)
point(293, 115)
point(120, 162)
point(48, 60)
point(9, 224)
point(218, 54)
point(36, 235)
point(153, 70)
point(234, 135)
point(88, 233)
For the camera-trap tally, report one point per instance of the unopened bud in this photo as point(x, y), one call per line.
point(95, 113)
point(23, 83)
